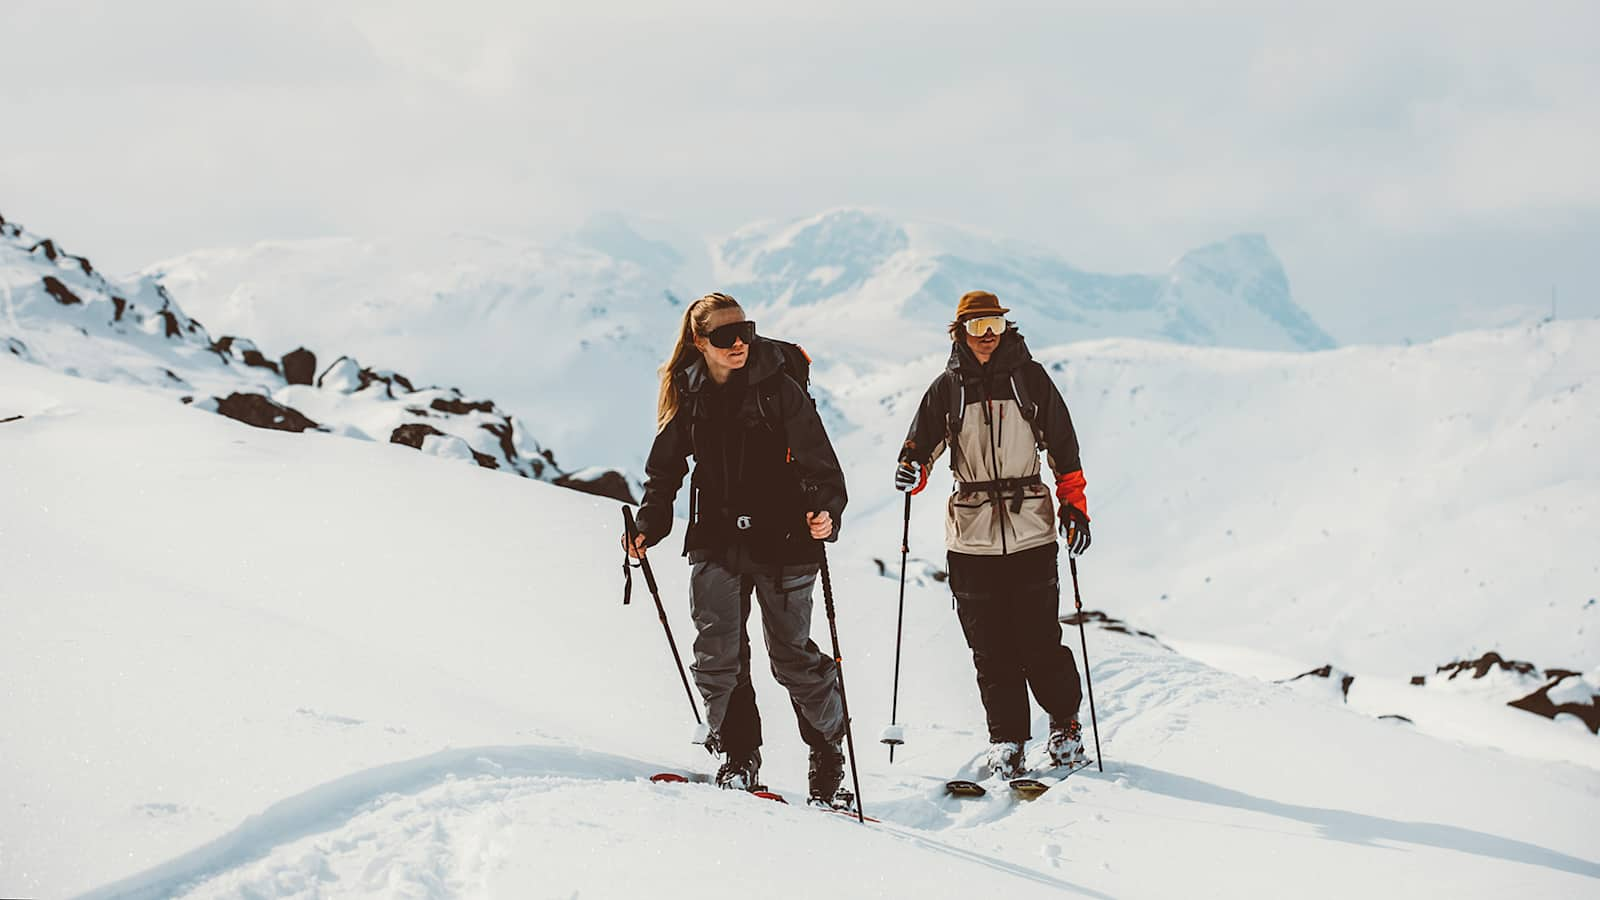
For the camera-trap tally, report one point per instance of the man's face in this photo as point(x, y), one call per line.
point(983, 345)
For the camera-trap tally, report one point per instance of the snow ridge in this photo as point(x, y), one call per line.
point(61, 313)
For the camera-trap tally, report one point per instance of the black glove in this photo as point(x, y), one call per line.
point(1074, 528)
point(907, 475)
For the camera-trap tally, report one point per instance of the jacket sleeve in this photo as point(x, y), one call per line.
point(925, 440)
point(664, 471)
point(813, 453)
point(1061, 441)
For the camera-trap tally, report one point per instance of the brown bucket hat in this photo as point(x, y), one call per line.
point(979, 303)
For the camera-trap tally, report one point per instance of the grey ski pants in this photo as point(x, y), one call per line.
point(719, 601)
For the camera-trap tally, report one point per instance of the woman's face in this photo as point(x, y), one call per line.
point(731, 358)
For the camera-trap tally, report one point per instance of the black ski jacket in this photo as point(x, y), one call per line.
point(762, 461)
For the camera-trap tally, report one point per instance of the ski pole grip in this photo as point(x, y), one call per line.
point(644, 561)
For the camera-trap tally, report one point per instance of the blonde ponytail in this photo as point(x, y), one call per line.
point(684, 353)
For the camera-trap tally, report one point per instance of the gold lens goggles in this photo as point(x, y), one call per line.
point(985, 325)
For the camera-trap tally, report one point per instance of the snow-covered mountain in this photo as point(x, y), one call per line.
point(61, 313)
point(853, 276)
point(531, 323)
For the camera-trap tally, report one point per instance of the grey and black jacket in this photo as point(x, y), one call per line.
point(995, 419)
point(762, 461)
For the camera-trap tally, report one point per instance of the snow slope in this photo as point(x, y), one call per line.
point(240, 662)
point(57, 311)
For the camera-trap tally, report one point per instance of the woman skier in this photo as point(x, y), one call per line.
point(766, 488)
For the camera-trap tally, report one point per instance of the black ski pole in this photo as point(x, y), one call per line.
point(1072, 560)
point(894, 735)
point(838, 661)
point(650, 581)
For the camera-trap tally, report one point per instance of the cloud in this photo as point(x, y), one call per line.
point(1121, 134)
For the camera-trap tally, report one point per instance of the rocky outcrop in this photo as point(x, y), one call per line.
point(67, 299)
point(1333, 676)
point(600, 482)
point(242, 349)
point(1485, 664)
point(1566, 693)
point(263, 412)
point(1562, 691)
point(1106, 622)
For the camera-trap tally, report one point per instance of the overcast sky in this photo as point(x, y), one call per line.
point(1418, 167)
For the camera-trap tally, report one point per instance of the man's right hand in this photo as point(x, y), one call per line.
point(637, 550)
point(908, 475)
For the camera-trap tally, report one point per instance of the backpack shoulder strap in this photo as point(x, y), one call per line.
point(956, 407)
point(1030, 410)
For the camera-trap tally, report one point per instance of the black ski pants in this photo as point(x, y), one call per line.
point(1009, 608)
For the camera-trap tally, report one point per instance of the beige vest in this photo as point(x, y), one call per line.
point(996, 444)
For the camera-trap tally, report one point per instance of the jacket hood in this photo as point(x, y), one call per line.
point(1012, 352)
point(765, 360)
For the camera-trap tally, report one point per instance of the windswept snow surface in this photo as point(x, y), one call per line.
point(240, 662)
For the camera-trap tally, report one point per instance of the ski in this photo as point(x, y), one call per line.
point(1033, 787)
point(960, 787)
point(760, 791)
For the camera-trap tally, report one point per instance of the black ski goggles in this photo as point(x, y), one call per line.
point(726, 336)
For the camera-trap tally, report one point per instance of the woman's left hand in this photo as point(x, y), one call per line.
point(821, 525)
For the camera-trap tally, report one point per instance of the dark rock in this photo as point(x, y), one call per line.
point(1327, 672)
point(121, 307)
point(413, 433)
point(1419, 679)
point(263, 412)
point(1480, 667)
point(420, 412)
point(610, 483)
point(248, 353)
point(257, 359)
point(485, 460)
point(49, 248)
point(17, 348)
point(502, 431)
point(1539, 703)
point(388, 378)
point(61, 292)
point(1099, 618)
point(299, 366)
point(172, 323)
point(461, 407)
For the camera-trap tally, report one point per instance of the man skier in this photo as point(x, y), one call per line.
point(994, 408)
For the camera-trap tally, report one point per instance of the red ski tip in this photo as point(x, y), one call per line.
point(668, 777)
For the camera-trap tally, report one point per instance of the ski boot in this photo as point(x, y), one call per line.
point(740, 771)
point(1004, 759)
point(1066, 744)
point(826, 773)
